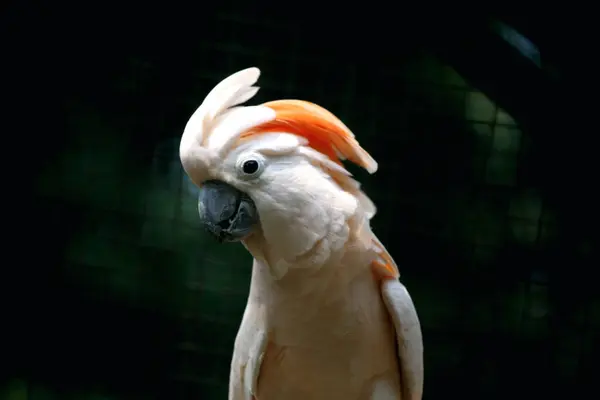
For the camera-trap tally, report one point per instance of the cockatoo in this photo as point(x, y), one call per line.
point(327, 317)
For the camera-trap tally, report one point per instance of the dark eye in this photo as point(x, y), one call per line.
point(250, 167)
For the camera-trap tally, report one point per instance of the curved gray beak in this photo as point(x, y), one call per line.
point(227, 213)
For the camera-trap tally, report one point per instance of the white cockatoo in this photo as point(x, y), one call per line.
point(327, 317)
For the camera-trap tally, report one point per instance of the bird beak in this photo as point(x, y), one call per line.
point(227, 213)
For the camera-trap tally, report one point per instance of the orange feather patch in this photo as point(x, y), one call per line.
point(331, 137)
point(323, 130)
point(385, 269)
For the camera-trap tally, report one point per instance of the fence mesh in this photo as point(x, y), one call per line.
point(149, 305)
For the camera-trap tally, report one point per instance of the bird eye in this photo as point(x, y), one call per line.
point(250, 167)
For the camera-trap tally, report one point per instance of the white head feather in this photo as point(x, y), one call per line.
point(213, 127)
point(299, 186)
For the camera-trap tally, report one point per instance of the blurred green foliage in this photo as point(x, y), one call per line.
point(470, 234)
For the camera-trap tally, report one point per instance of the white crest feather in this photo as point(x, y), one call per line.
point(230, 92)
point(322, 160)
point(274, 143)
point(234, 122)
point(218, 122)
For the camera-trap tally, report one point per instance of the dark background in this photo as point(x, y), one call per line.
point(485, 191)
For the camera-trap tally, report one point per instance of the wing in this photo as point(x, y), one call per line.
point(408, 332)
point(250, 345)
point(406, 322)
point(249, 348)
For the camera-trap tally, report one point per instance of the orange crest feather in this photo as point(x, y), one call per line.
point(324, 131)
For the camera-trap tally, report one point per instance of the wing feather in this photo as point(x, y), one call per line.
point(404, 317)
point(409, 338)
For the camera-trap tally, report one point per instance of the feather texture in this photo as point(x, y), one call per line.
point(231, 91)
point(215, 125)
point(323, 130)
point(325, 291)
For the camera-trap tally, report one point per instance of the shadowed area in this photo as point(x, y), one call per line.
point(484, 194)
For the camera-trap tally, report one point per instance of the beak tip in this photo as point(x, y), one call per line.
point(218, 233)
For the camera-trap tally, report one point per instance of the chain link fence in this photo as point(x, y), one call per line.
point(149, 305)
